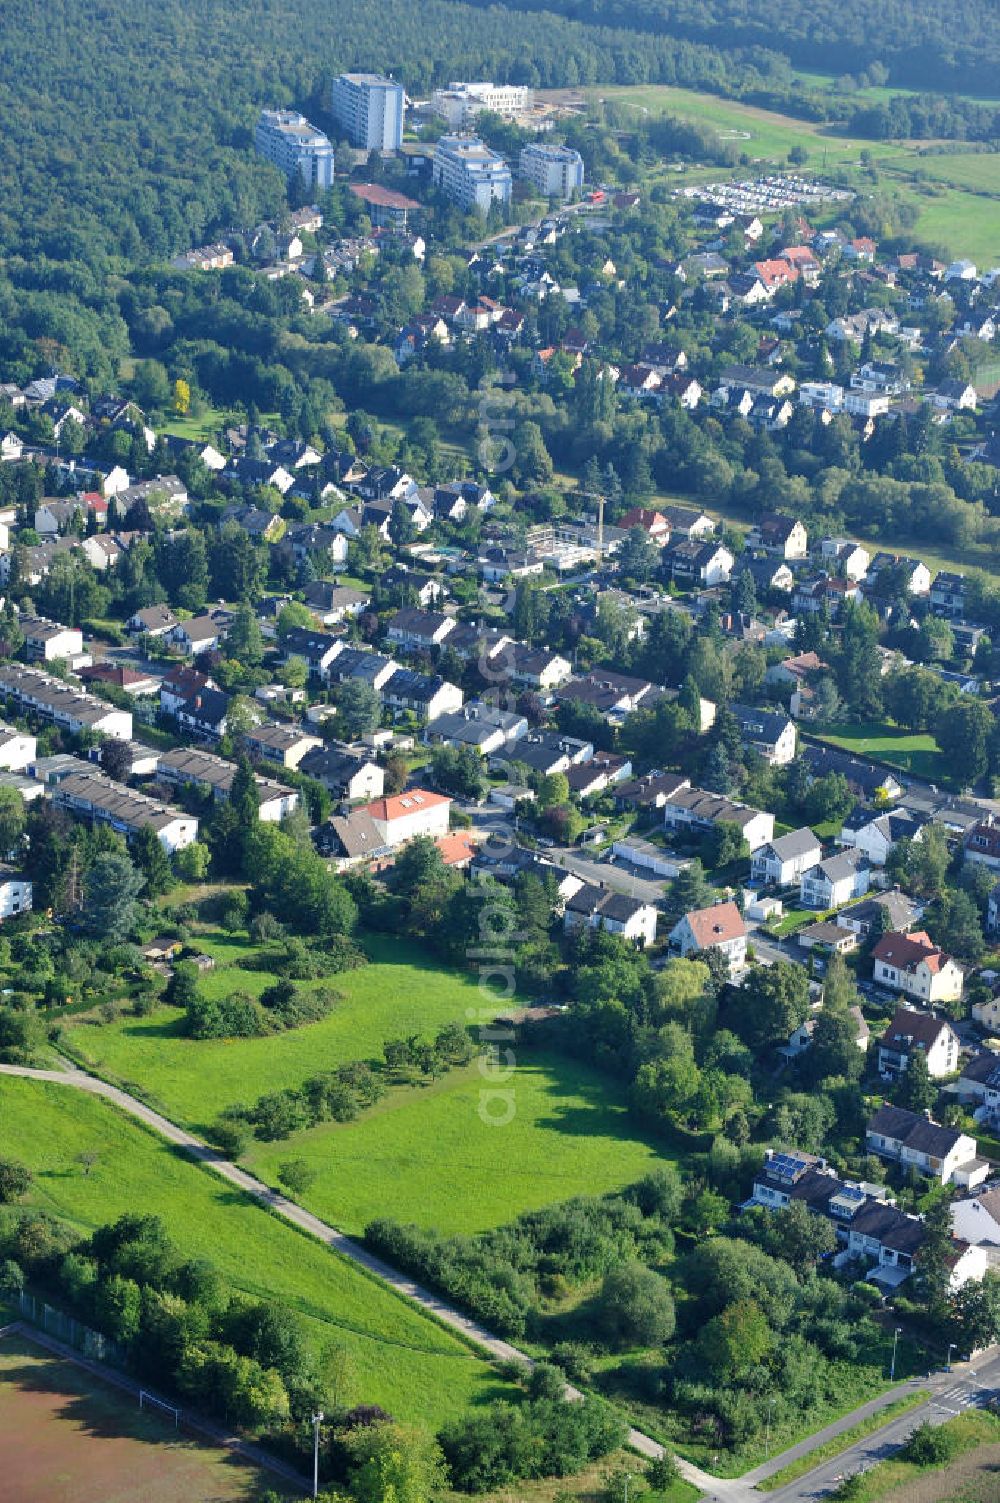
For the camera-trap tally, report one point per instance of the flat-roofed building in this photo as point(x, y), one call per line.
point(470, 173)
point(461, 102)
point(556, 171)
point(297, 148)
point(369, 110)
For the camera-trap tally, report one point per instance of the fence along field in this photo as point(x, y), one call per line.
point(68, 1437)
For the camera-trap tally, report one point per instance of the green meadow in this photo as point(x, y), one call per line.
point(192, 1080)
point(956, 194)
point(915, 752)
point(392, 1354)
point(470, 1151)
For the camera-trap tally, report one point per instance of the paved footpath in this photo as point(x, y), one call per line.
point(719, 1489)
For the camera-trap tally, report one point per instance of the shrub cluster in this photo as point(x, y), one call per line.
point(335, 1095)
point(501, 1275)
point(281, 1006)
point(546, 1435)
point(178, 1324)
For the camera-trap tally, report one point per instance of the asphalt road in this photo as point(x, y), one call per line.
point(971, 1384)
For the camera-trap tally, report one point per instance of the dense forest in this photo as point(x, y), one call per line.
point(129, 131)
point(918, 42)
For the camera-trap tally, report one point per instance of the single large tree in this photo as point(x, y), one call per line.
point(773, 1001)
point(112, 887)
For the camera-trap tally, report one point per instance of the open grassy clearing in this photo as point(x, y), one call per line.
point(66, 1437)
point(964, 169)
point(395, 1356)
point(912, 751)
point(760, 133)
point(192, 1080)
point(965, 222)
point(817, 79)
point(432, 1155)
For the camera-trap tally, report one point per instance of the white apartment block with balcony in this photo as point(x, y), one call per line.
point(297, 148)
point(556, 171)
point(470, 174)
point(369, 110)
point(460, 103)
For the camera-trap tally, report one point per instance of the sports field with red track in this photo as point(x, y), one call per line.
point(67, 1437)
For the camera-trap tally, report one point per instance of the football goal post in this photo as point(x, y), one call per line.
point(150, 1401)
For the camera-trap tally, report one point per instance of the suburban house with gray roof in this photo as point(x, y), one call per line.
point(783, 860)
point(915, 1141)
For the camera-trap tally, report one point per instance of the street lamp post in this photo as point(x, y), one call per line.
point(767, 1433)
point(892, 1368)
point(317, 1420)
point(951, 1348)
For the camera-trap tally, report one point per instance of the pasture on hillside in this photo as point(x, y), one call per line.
point(956, 193)
point(388, 1353)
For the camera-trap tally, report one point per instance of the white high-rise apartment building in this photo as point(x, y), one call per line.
point(287, 139)
point(369, 110)
point(472, 176)
point(461, 102)
point(556, 171)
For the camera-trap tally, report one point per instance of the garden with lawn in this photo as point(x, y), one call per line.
point(92, 1164)
point(915, 752)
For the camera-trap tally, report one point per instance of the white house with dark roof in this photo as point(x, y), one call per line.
point(834, 881)
point(876, 834)
point(348, 775)
point(414, 628)
point(976, 1220)
point(15, 892)
point(911, 1030)
point(189, 764)
point(284, 744)
point(617, 912)
point(767, 732)
point(783, 860)
point(686, 806)
point(46, 641)
point(915, 1141)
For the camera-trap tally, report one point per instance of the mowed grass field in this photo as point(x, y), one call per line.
point(911, 751)
point(763, 134)
point(470, 1152)
point(393, 1355)
point(66, 1437)
point(966, 223)
point(192, 1080)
